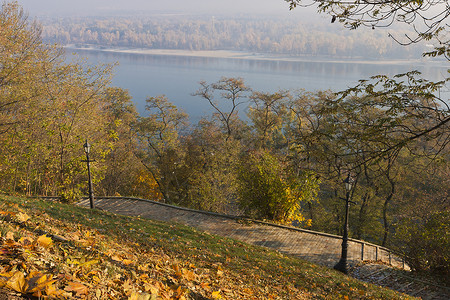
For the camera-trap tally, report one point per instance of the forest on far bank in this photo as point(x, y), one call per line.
point(288, 36)
point(285, 163)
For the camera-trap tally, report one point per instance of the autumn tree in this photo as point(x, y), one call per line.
point(428, 19)
point(266, 111)
point(124, 173)
point(74, 98)
point(333, 140)
point(421, 218)
point(212, 160)
point(411, 116)
point(425, 242)
point(23, 59)
point(219, 142)
point(159, 135)
point(233, 93)
point(50, 108)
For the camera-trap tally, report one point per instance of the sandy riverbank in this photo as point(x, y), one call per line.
point(244, 55)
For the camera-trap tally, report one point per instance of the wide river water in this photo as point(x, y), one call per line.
point(177, 76)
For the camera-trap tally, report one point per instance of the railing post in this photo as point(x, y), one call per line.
point(390, 258)
point(362, 251)
point(376, 253)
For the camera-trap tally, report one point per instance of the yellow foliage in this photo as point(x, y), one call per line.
point(147, 186)
point(216, 295)
point(44, 241)
point(17, 282)
point(22, 217)
point(139, 296)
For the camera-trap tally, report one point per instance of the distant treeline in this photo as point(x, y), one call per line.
point(277, 36)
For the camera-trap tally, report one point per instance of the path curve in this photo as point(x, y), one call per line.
point(316, 247)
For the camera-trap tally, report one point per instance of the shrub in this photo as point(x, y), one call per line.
point(425, 242)
point(269, 189)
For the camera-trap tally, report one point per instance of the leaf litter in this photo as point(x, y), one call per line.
point(94, 263)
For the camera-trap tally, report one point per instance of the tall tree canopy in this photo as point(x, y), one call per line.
point(385, 128)
point(403, 96)
point(48, 107)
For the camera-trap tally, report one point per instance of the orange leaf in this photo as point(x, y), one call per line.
point(177, 270)
point(17, 282)
point(79, 288)
point(153, 289)
point(116, 258)
point(23, 217)
point(144, 268)
point(52, 291)
point(188, 275)
point(44, 241)
point(139, 296)
point(38, 282)
point(127, 286)
point(7, 213)
point(6, 275)
point(205, 286)
point(10, 235)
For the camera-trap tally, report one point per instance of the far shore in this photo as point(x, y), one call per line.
point(242, 55)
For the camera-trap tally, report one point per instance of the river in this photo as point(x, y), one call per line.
point(178, 76)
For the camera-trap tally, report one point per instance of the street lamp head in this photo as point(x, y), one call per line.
point(348, 182)
point(87, 147)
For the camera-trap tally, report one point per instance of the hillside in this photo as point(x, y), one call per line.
point(98, 255)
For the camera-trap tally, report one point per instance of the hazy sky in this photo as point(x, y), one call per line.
point(68, 7)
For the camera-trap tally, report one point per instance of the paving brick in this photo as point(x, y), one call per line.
point(311, 246)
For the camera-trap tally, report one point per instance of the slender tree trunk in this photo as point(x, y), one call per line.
point(14, 184)
point(61, 161)
point(385, 211)
point(27, 181)
point(362, 215)
point(161, 189)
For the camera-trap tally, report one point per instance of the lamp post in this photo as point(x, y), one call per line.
point(87, 149)
point(342, 264)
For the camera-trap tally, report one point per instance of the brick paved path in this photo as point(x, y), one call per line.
point(316, 247)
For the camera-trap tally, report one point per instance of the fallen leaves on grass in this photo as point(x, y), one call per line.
point(89, 267)
point(126, 258)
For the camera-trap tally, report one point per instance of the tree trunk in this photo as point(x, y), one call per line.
point(385, 211)
point(362, 215)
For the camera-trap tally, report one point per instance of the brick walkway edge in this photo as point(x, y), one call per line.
point(316, 247)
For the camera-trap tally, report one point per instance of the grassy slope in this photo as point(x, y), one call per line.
point(111, 256)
